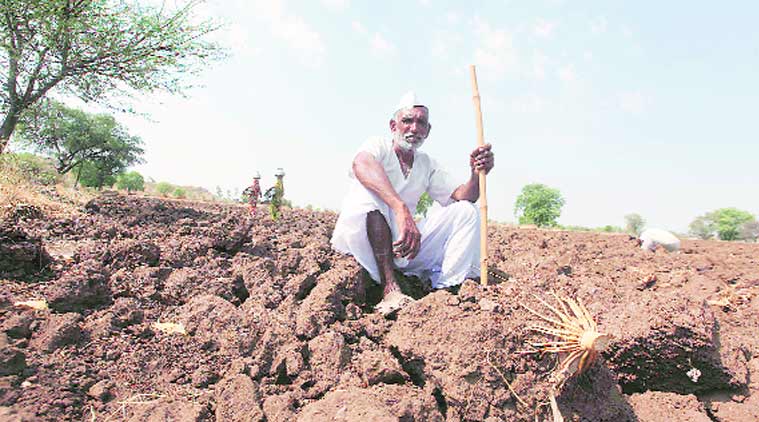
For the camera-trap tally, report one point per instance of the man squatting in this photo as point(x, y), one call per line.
point(387, 179)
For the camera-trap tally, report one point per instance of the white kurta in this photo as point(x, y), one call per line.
point(651, 238)
point(449, 250)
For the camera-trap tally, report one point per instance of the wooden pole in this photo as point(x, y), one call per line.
point(483, 191)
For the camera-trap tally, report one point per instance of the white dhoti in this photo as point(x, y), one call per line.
point(449, 251)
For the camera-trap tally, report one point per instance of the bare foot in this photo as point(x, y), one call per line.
point(392, 302)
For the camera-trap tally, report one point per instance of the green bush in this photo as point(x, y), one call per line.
point(180, 193)
point(424, 204)
point(131, 181)
point(539, 204)
point(35, 169)
point(164, 188)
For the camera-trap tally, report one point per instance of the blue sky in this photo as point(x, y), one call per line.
point(625, 107)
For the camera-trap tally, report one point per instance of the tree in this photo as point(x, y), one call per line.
point(95, 174)
point(725, 222)
point(180, 193)
point(73, 137)
point(634, 224)
point(96, 50)
point(538, 204)
point(749, 231)
point(702, 228)
point(164, 188)
point(130, 181)
point(424, 204)
point(729, 222)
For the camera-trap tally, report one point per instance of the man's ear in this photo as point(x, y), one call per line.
point(429, 129)
point(393, 125)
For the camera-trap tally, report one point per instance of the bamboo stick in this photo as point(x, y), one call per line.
point(483, 191)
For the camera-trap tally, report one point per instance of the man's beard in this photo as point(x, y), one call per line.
point(404, 144)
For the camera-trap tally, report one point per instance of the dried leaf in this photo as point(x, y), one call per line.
point(40, 305)
point(170, 328)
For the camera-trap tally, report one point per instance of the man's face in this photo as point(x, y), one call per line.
point(410, 127)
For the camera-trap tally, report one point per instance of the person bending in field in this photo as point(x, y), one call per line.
point(376, 224)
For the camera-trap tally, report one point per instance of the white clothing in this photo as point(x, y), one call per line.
point(651, 238)
point(409, 100)
point(449, 250)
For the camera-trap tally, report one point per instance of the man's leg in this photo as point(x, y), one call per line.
point(450, 250)
point(381, 240)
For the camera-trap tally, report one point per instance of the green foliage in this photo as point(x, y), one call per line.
point(96, 50)
point(634, 224)
point(539, 204)
point(163, 188)
point(424, 204)
point(726, 223)
point(702, 228)
point(131, 181)
point(34, 168)
point(180, 193)
point(610, 229)
point(72, 138)
point(95, 174)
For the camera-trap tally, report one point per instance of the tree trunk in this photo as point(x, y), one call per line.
point(6, 130)
point(78, 173)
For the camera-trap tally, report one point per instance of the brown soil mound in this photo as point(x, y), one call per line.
point(267, 323)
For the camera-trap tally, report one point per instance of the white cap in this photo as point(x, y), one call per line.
point(409, 100)
point(280, 172)
point(256, 175)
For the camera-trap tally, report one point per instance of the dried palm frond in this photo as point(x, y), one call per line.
point(576, 335)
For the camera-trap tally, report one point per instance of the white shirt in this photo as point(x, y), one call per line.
point(426, 175)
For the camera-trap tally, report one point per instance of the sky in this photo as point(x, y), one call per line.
point(624, 107)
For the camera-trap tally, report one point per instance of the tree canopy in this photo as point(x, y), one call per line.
point(131, 181)
point(539, 204)
point(634, 224)
point(726, 223)
point(74, 138)
point(424, 204)
point(96, 50)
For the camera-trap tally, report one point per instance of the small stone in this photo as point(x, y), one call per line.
point(203, 377)
point(101, 390)
point(488, 305)
point(12, 361)
point(18, 326)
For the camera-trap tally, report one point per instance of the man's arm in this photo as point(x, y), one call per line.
point(371, 174)
point(481, 159)
point(469, 191)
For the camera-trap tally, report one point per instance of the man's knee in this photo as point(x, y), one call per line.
point(466, 211)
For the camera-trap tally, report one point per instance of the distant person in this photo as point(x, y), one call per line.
point(254, 193)
point(650, 239)
point(376, 223)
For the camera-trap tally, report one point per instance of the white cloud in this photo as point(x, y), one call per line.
point(539, 63)
point(634, 102)
point(567, 73)
point(359, 27)
point(543, 28)
point(599, 25)
point(336, 5)
point(496, 49)
point(531, 103)
point(380, 46)
point(294, 31)
point(452, 18)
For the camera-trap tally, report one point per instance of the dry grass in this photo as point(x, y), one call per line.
point(20, 195)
